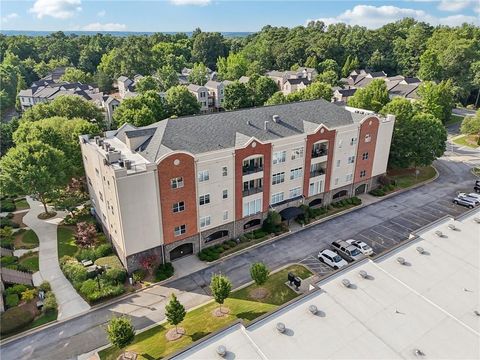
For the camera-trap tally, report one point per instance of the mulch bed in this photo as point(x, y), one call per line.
point(217, 312)
point(175, 334)
point(259, 293)
point(18, 218)
point(45, 216)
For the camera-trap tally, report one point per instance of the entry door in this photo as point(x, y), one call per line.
point(181, 251)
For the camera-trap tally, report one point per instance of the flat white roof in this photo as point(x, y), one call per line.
point(428, 304)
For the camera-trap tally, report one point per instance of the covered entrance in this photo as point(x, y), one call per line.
point(291, 213)
point(361, 189)
point(181, 251)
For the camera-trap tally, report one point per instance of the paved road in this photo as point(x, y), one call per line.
point(382, 225)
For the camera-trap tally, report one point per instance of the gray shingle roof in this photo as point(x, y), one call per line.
point(204, 133)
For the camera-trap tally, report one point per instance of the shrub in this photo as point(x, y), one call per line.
point(7, 206)
point(271, 223)
point(11, 300)
point(120, 331)
point(16, 289)
point(377, 192)
point(88, 287)
point(8, 260)
point(85, 254)
point(116, 276)
point(15, 319)
point(106, 291)
point(75, 272)
point(29, 295)
point(50, 302)
point(258, 234)
point(164, 271)
point(103, 250)
point(139, 275)
point(356, 200)
point(7, 222)
point(259, 273)
point(45, 286)
point(384, 180)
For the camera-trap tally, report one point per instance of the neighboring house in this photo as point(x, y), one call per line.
point(201, 94)
point(292, 85)
point(397, 86)
point(110, 103)
point(176, 186)
point(126, 85)
point(216, 94)
point(291, 81)
point(183, 76)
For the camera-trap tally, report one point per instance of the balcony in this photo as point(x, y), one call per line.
point(250, 169)
point(317, 172)
point(252, 191)
point(319, 151)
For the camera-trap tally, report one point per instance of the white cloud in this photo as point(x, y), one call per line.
point(101, 13)
point(9, 17)
point(191, 2)
point(58, 9)
point(104, 27)
point(454, 5)
point(377, 16)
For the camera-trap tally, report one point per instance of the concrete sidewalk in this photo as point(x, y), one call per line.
point(69, 302)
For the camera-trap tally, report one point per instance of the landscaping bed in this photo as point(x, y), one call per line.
point(25, 239)
point(198, 323)
point(467, 140)
point(21, 308)
point(27, 262)
point(398, 179)
point(314, 214)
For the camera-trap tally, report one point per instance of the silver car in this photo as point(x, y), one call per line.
point(466, 201)
point(360, 245)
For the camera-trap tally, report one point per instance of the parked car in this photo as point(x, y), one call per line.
point(471, 195)
point(477, 186)
point(331, 259)
point(466, 201)
point(360, 245)
point(347, 251)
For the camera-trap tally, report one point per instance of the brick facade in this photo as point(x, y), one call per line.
point(368, 129)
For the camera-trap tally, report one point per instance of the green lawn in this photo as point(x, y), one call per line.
point(66, 241)
point(454, 119)
point(406, 177)
point(467, 140)
point(22, 204)
point(200, 322)
point(30, 261)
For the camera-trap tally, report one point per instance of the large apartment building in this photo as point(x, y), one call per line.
point(179, 185)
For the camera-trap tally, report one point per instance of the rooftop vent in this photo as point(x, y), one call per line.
point(221, 350)
point(276, 118)
point(477, 220)
point(439, 233)
point(106, 146)
point(249, 123)
point(313, 309)
point(265, 125)
point(401, 260)
point(420, 250)
point(346, 283)
point(476, 312)
point(280, 327)
point(452, 227)
point(113, 156)
point(128, 164)
point(363, 274)
point(100, 142)
point(418, 352)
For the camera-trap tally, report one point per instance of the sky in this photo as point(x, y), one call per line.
point(223, 15)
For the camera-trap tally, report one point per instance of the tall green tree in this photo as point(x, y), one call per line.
point(142, 110)
point(233, 67)
point(437, 99)
point(175, 312)
point(146, 83)
point(372, 97)
point(430, 68)
point(220, 286)
point(68, 106)
point(120, 331)
point(181, 102)
point(208, 47)
point(167, 77)
point(262, 88)
point(6, 135)
point(471, 124)
point(238, 96)
point(276, 99)
point(33, 168)
point(76, 75)
point(198, 75)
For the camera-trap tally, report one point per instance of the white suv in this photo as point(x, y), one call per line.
point(360, 245)
point(331, 259)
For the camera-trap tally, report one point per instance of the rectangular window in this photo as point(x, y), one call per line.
point(340, 144)
point(336, 181)
point(89, 181)
point(225, 215)
point(97, 172)
point(278, 178)
point(178, 207)
point(353, 141)
point(100, 195)
point(296, 173)
point(252, 207)
point(363, 173)
point(279, 157)
point(225, 194)
point(338, 163)
point(176, 182)
point(295, 192)
point(179, 230)
point(315, 188)
point(351, 159)
point(204, 199)
point(297, 153)
point(203, 176)
point(365, 156)
point(224, 171)
point(368, 138)
point(349, 177)
point(205, 221)
point(276, 198)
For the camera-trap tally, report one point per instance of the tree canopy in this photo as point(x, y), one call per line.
point(437, 99)
point(141, 110)
point(76, 75)
point(372, 97)
point(198, 74)
point(181, 101)
point(175, 311)
point(120, 331)
point(146, 83)
point(471, 124)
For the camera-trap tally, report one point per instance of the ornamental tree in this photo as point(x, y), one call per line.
point(220, 285)
point(33, 168)
point(120, 331)
point(148, 262)
point(259, 273)
point(175, 312)
point(86, 234)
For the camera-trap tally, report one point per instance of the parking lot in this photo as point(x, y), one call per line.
point(389, 233)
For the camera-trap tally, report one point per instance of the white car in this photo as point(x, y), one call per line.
point(360, 245)
point(471, 195)
point(331, 259)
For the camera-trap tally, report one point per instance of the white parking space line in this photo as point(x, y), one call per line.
point(395, 231)
point(369, 241)
point(384, 236)
point(423, 215)
point(406, 227)
point(413, 222)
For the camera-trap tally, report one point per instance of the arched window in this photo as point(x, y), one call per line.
point(252, 223)
point(216, 235)
point(340, 194)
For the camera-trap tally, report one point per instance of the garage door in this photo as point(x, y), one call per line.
point(361, 189)
point(180, 251)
